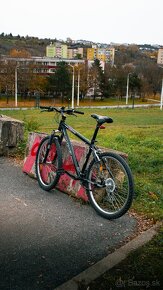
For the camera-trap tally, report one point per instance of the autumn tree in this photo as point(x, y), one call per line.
point(82, 69)
point(7, 77)
point(31, 81)
point(15, 53)
point(151, 75)
point(115, 80)
point(11, 68)
point(96, 79)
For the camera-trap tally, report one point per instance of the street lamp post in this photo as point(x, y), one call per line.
point(78, 86)
point(72, 104)
point(161, 100)
point(161, 97)
point(16, 86)
point(127, 89)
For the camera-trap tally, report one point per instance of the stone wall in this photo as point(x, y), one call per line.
point(11, 133)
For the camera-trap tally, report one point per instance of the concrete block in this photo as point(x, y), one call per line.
point(66, 183)
point(11, 133)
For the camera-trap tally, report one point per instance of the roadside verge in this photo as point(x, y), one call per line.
point(95, 271)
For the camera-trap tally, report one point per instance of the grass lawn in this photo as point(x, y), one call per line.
point(139, 133)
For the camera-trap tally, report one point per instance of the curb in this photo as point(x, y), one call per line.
point(95, 271)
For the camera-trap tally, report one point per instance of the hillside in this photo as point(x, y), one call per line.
point(124, 54)
point(34, 45)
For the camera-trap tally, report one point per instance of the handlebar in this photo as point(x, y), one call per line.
point(78, 112)
point(61, 110)
point(49, 109)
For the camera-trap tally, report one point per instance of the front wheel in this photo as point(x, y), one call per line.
point(48, 161)
point(110, 185)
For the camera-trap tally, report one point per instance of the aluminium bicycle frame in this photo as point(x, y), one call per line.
point(63, 127)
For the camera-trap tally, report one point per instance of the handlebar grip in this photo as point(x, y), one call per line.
point(79, 112)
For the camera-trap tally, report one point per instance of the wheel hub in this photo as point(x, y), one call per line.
point(110, 185)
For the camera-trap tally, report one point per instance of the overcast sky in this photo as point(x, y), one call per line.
point(120, 21)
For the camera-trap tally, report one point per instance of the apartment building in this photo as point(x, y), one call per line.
point(79, 52)
point(106, 54)
point(109, 55)
point(70, 53)
point(100, 54)
point(41, 65)
point(91, 53)
point(160, 56)
point(50, 50)
point(59, 50)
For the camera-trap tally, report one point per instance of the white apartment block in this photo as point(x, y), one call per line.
point(41, 65)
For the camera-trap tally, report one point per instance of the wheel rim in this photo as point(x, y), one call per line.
point(109, 186)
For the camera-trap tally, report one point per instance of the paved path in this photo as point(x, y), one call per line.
point(91, 107)
point(46, 238)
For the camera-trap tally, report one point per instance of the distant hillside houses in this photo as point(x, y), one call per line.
point(63, 51)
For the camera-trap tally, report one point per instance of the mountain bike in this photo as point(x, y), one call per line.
point(106, 176)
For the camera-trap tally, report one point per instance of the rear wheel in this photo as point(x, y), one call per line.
point(110, 187)
point(48, 161)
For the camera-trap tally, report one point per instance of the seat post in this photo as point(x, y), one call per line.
point(95, 133)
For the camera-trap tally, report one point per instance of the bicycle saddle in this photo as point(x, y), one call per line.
point(102, 119)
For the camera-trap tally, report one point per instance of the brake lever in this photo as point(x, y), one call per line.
point(73, 114)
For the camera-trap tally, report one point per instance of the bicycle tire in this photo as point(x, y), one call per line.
point(47, 173)
point(110, 185)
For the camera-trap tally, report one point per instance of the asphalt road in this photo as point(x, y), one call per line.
point(46, 238)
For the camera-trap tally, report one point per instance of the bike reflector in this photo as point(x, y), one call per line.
point(102, 127)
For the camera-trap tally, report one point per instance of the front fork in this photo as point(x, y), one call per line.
point(52, 136)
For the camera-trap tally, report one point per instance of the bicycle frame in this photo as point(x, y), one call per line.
point(63, 127)
point(105, 176)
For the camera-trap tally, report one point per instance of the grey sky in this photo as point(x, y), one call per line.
point(122, 21)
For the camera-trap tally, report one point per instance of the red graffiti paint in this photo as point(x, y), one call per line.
point(66, 183)
point(34, 149)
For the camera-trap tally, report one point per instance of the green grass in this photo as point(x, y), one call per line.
point(138, 132)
